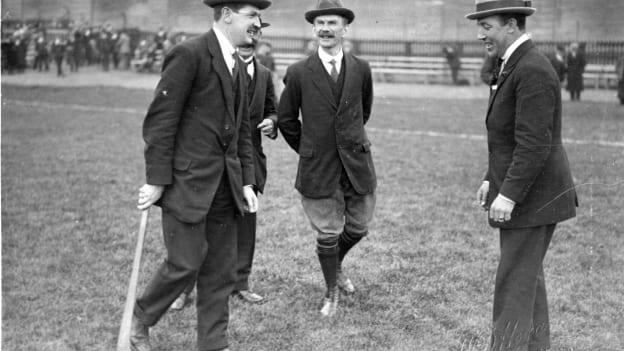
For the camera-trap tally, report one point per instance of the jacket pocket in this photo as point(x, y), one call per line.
point(306, 149)
point(181, 164)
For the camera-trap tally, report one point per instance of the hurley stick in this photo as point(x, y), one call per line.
point(123, 341)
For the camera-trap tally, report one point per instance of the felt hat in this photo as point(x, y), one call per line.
point(329, 7)
point(261, 4)
point(487, 8)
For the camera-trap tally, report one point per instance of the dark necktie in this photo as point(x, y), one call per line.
point(334, 71)
point(235, 68)
point(496, 70)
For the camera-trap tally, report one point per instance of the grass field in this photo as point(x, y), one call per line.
point(72, 165)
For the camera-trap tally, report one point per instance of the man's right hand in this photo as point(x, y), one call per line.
point(148, 195)
point(482, 194)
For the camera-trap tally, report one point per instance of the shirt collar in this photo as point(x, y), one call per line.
point(250, 65)
point(325, 57)
point(510, 50)
point(227, 49)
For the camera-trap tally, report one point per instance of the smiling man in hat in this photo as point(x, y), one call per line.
point(263, 120)
point(336, 177)
point(199, 170)
point(527, 188)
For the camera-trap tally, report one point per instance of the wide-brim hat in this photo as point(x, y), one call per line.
point(487, 8)
point(329, 7)
point(260, 4)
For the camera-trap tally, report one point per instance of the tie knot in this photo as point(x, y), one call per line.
point(332, 62)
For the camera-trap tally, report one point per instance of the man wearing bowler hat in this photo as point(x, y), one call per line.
point(336, 177)
point(263, 121)
point(527, 188)
point(199, 170)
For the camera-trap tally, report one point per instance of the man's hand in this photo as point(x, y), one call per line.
point(482, 194)
point(267, 127)
point(501, 208)
point(148, 194)
point(250, 199)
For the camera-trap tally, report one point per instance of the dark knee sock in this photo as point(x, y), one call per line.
point(327, 251)
point(345, 242)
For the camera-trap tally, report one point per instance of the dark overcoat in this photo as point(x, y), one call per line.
point(330, 135)
point(261, 105)
point(575, 69)
point(527, 162)
point(197, 128)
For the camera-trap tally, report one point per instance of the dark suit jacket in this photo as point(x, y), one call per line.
point(527, 162)
point(329, 136)
point(196, 129)
point(261, 106)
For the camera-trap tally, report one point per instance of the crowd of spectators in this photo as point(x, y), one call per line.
point(37, 47)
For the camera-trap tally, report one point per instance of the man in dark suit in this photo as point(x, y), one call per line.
point(199, 170)
point(528, 187)
point(263, 120)
point(575, 62)
point(336, 177)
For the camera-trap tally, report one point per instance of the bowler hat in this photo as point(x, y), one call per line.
point(329, 7)
point(487, 8)
point(261, 4)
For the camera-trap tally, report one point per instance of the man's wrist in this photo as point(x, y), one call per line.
point(506, 199)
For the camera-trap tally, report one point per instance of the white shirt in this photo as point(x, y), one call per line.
point(510, 50)
point(325, 58)
point(227, 49)
point(250, 66)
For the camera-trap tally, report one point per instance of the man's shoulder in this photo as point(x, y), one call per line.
point(261, 68)
point(536, 61)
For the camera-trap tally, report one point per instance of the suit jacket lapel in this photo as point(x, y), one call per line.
point(349, 67)
point(254, 83)
point(509, 66)
point(319, 78)
point(218, 64)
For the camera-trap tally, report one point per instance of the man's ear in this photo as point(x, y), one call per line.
point(513, 25)
point(226, 13)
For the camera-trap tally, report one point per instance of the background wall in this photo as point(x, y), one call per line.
point(405, 19)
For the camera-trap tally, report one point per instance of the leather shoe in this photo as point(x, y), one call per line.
point(249, 296)
point(330, 304)
point(139, 336)
point(182, 301)
point(345, 284)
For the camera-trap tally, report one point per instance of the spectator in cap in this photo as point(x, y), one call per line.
point(199, 170)
point(527, 188)
point(333, 90)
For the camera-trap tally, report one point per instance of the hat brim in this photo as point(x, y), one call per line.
point(346, 13)
point(260, 4)
point(526, 11)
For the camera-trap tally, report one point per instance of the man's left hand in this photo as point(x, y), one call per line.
point(267, 127)
point(251, 201)
point(500, 210)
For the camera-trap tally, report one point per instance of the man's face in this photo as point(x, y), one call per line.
point(329, 30)
point(246, 51)
point(244, 25)
point(493, 32)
